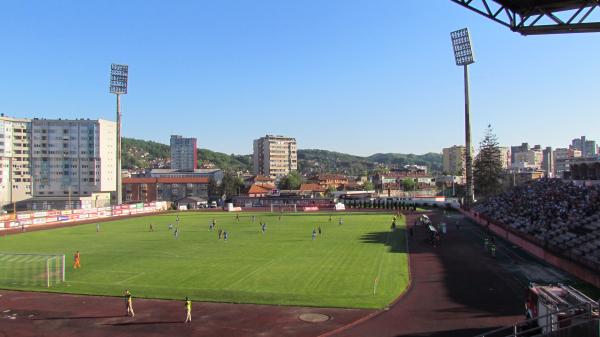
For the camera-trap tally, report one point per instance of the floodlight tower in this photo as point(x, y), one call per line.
point(119, 74)
point(463, 54)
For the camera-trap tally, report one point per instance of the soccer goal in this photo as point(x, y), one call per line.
point(283, 208)
point(43, 270)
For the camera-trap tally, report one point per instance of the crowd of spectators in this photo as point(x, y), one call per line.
point(560, 215)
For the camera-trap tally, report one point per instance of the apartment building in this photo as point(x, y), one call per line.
point(184, 154)
point(275, 156)
point(453, 160)
point(72, 158)
point(15, 174)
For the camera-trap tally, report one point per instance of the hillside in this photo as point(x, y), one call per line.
point(146, 154)
point(329, 161)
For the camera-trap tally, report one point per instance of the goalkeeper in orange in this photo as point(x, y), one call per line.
point(76, 260)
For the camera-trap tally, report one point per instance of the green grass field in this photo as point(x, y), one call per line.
point(360, 264)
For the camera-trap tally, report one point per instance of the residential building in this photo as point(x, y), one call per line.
point(15, 155)
point(72, 158)
point(548, 162)
point(562, 160)
point(453, 160)
point(528, 159)
point(212, 174)
point(275, 156)
point(505, 157)
point(149, 189)
point(516, 149)
point(184, 153)
point(258, 180)
point(331, 180)
point(587, 147)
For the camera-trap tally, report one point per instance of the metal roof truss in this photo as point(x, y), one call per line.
point(540, 17)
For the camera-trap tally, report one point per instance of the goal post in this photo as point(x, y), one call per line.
point(282, 208)
point(28, 269)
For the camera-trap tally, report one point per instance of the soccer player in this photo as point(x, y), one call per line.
point(151, 228)
point(237, 216)
point(225, 235)
point(264, 228)
point(330, 218)
point(220, 232)
point(77, 260)
point(314, 234)
point(319, 230)
point(177, 219)
point(341, 222)
point(129, 303)
point(188, 310)
point(176, 233)
point(170, 226)
point(97, 228)
point(253, 218)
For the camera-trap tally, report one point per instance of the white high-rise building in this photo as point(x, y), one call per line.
point(15, 174)
point(275, 156)
point(73, 158)
point(184, 154)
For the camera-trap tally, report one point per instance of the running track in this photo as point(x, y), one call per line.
point(457, 290)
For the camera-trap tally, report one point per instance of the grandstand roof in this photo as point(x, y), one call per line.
point(530, 17)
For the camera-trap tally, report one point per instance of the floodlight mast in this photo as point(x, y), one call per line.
point(463, 55)
point(119, 74)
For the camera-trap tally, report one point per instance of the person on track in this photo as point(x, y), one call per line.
point(188, 310)
point(129, 303)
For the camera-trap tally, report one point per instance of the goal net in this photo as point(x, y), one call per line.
point(284, 208)
point(43, 270)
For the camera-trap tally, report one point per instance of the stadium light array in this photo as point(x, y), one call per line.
point(463, 55)
point(119, 74)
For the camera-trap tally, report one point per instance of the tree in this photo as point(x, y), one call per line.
point(487, 168)
point(368, 186)
point(213, 190)
point(290, 182)
point(231, 185)
point(408, 184)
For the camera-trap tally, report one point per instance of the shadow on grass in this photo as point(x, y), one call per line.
point(395, 240)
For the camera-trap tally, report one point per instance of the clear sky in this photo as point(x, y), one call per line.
point(356, 76)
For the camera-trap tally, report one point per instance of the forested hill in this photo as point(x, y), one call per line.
point(329, 161)
point(146, 154)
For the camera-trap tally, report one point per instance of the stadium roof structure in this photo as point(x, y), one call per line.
point(535, 17)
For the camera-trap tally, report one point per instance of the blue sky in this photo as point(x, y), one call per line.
point(355, 76)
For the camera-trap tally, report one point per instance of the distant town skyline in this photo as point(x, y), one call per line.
point(350, 76)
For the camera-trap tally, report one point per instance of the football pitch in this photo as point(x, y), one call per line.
point(358, 264)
